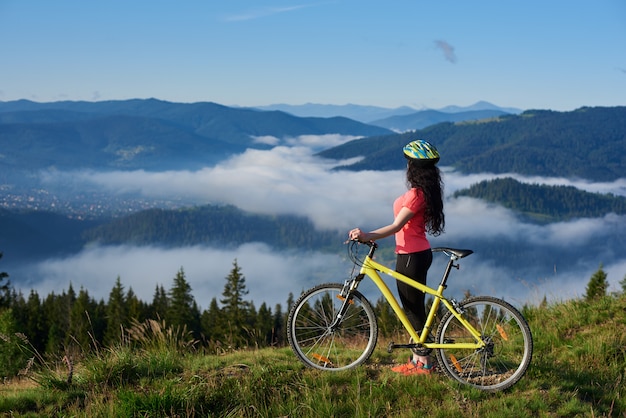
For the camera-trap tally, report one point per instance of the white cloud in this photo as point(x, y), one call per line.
point(263, 12)
point(291, 180)
point(458, 182)
point(270, 276)
point(319, 142)
point(470, 218)
point(266, 140)
point(284, 180)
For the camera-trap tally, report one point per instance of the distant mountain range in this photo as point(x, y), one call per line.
point(378, 115)
point(155, 135)
point(425, 118)
point(147, 134)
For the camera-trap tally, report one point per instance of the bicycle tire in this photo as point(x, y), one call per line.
point(505, 358)
point(317, 345)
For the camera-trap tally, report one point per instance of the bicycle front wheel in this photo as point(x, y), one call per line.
point(321, 340)
point(508, 344)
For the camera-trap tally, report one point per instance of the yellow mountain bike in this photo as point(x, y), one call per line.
point(482, 341)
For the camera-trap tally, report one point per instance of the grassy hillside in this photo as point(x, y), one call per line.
point(578, 369)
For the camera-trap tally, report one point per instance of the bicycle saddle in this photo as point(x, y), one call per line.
point(457, 252)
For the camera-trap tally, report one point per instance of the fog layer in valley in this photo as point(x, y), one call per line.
point(290, 179)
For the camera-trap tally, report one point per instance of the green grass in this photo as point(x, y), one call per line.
point(578, 370)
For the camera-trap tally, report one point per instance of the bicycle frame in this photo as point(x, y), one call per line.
point(370, 268)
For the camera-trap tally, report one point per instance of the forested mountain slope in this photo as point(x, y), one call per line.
point(587, 143)
point(546, 203)
point(36, 234)
point(216, 225)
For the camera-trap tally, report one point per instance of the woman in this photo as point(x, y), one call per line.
point(416, 212)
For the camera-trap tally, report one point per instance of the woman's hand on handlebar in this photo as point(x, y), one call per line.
point(357, 235)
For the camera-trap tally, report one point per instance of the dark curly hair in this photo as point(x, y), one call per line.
point(427, 178)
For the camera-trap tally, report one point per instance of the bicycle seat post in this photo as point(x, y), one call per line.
point(449, 266)
point(454, 255)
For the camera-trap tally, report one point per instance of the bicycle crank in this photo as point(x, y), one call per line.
point(418, 348)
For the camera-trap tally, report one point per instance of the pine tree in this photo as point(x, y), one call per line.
point(136, 307)
point(388, 323)
point(57, 320)
point(264, 324)
point(116, 314)
point(597, 285)
point(234, 307)
point(290, 302)
point(35, 326)
point(68, 300)
point(183, 310)
point(4, 288)
point(13, 357)
point(278, 326)
point(160, 304)
point(623, 284)
point(211, 321)
point(80, 331)
point(18, 306)
point(99, 321)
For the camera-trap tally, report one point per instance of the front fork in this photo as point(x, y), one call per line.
point(346, 297)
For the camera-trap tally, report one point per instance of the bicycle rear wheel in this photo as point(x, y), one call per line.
point(506, 355)
point(317, 344)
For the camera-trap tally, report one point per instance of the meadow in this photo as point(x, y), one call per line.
point(578, 370)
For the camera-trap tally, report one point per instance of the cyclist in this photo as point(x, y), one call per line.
point(416, 212)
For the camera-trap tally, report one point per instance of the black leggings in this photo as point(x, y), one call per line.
point(414, 266)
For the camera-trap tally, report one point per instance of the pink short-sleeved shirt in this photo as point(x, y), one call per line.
point(412, 237)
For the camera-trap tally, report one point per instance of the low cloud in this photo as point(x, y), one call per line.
point(284, 180)
point(319, 142)
point(269, 276)
point(467, 218)
point(292, 180)
point(457, 181)
point(266, 140)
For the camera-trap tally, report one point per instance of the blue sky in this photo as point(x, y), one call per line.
point(553, 54)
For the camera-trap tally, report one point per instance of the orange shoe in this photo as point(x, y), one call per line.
point(403, 368)
point(419, 368)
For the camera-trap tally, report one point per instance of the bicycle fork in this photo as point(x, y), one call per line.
point(345, 296)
